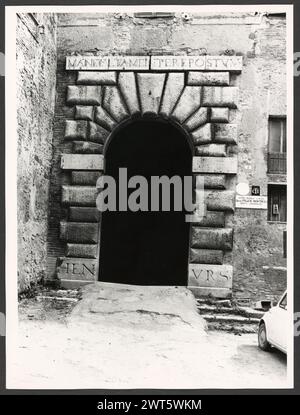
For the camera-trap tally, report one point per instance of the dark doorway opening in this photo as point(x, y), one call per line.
point(146, 248)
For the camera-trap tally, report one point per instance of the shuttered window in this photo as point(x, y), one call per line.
point(277, 145)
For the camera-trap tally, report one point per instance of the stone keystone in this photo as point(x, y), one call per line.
point(150, 89)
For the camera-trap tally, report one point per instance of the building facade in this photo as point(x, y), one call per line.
point(167, 94)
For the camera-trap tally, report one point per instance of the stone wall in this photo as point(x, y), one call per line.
point(36, 75)
point(260, 40)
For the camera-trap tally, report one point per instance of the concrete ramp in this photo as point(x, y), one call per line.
point(144, 307)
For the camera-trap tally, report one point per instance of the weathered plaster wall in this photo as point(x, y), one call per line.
point(261, 42)
point(36, 67)
point(257, 243)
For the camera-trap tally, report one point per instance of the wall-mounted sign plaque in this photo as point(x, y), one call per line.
point(251, 202)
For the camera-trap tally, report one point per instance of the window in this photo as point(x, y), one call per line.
point(277, 145)
point(277, 203)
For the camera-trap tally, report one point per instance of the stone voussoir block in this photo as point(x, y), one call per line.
point(197, 119)
point(189, 102)
point(206, 256)
point(208, 78)
point(85, 178)
point(84, 214)
point(173, 89)
point(104, 119)
point(75, 130)
point(225, 133)
point(212, 150)
point(96, 133)
point(215, 238)
point(97, 78)
point(127, 85)
point(219, 114)
point(85, 147)
point(84, 95)
point(84, 112)
point(79, 195)
point(82, 161)
point(203, 134)
point(224, 165)
point(81, 250)
point(220, 96)
point(113, 103)
point(79, 232)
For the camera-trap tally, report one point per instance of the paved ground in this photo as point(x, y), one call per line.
point(137, 337)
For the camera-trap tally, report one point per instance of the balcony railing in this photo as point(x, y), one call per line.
point(277, 163)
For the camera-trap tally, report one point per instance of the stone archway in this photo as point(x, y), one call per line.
point(200, 102)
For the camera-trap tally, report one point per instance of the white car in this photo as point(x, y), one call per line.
point(272, 330)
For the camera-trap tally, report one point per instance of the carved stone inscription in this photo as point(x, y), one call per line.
point(77, 269)
point(204, 275)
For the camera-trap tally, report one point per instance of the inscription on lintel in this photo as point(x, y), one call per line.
point(157, 63)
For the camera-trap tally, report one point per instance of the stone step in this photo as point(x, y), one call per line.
point(241, 311)
point(214, 301)
point(227, 318)
point(232, 328)
point(60, 293)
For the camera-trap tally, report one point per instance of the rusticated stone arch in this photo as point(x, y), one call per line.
point(200, 103)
